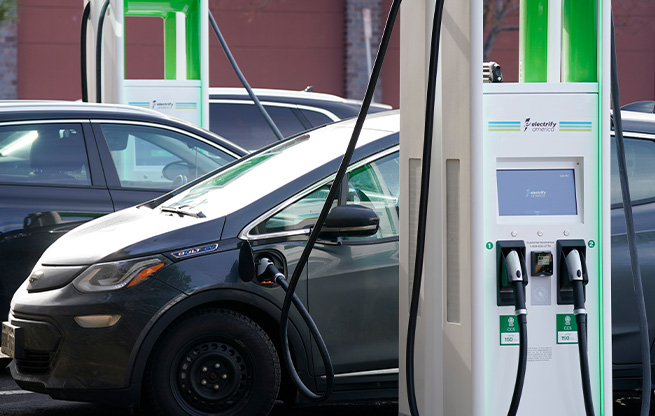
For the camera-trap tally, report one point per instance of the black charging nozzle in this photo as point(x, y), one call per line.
point(512, 274)
point(572, 276)
point(516, 277)
point(512, 277)
point(572, 279)
point(267, 273)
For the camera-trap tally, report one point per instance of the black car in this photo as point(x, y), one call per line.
point(149, 306)
point(639, 133)
point(63, 163)
point(234, 115)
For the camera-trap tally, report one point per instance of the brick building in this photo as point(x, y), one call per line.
point(287, 44)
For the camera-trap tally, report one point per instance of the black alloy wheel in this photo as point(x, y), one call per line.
point(213, 362)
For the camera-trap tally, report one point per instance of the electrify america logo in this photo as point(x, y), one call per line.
point(539, 126)
point(534, 194)
point(158, 105)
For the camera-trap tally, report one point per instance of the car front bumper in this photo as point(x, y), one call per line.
point(53, 354)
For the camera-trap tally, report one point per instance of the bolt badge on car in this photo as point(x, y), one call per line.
point(194, 251)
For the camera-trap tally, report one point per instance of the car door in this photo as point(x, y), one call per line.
point(640, 155)
point(353, 283)
point(50, 182)
point(143, 160)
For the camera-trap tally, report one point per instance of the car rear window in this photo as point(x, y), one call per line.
point(243, 124)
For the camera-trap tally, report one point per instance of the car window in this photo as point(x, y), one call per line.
point(374, 185)
point(244, 124)
point(44, 154)
point(155, 158)
point(299, 215)
point(316, 118)
point(640, 165)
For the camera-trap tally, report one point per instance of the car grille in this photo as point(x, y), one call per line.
point(34, 362)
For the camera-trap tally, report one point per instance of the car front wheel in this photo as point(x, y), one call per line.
point(214, 361)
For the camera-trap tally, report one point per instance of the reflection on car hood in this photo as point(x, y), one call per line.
point(129, 233)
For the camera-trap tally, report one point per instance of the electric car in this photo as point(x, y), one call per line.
point(639, 139)
point(64, 163)
point(148, 306)
point(233, 114)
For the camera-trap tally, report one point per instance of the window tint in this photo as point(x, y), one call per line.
point(245, 125)
point(640, 164)
point(155, 158)
point(44, 154)
point(316, 118)
point(375, 185)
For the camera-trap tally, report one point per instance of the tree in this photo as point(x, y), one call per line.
point(7, 10)
point(494, 14)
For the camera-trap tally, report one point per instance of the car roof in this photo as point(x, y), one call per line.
point(637, 122)
point(289, 96)
point(22, 110)
point(11, 106)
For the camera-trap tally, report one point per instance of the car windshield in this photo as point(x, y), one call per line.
point(255, 176)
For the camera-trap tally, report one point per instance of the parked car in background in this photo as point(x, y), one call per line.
point(640, 106)
point(159, 314)
point(63, 163)
point(234, 115)
point(639, 140)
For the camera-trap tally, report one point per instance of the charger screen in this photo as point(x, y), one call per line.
point(536, 192)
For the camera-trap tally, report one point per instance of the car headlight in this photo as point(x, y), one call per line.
point(103, 277)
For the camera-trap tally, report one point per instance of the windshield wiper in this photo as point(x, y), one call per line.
point(182, 212)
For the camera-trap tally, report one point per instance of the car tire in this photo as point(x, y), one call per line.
point(213, 361)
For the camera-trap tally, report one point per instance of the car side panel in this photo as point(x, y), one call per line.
point(353, 298)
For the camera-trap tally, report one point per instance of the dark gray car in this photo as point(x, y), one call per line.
point(147, 306)
point(65, 163)
point(639, 132)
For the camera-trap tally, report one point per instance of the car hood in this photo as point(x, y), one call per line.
point(132, 232)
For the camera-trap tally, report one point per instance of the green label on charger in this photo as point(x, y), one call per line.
point(567, 329)
point(509, 330)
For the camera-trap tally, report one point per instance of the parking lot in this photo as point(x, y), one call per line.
point(17, 402)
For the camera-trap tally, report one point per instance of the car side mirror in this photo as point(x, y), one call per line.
point(350, 221)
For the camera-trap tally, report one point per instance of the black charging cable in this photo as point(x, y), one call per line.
point(83, 36)
point(243, 80)
point(577, 277)
point(101, 24)
point(514, 267)
point(313, 236)
point(644, 338)
point(423, 207)
point(268, 273)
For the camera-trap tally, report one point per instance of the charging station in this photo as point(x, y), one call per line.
point(183, 92)
point(518, 230)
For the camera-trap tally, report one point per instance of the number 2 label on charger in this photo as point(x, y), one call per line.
point(567, 329)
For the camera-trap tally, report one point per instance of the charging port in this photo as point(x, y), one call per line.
point(505, 291)
point(565, 295)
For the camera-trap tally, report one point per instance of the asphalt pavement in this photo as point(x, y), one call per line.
point(17, 402)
